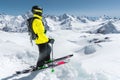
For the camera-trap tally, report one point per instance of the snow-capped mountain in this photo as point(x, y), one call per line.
point(105, 28)
point(10, 23)
point(89, 39)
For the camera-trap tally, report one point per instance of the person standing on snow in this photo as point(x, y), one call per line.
point(42, 41)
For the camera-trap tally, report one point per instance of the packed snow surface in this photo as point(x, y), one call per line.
point(96, 55)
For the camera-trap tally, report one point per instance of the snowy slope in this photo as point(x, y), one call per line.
point(17, 53)
point(96, 56)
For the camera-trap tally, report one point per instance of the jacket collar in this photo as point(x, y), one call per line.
point(40, 17)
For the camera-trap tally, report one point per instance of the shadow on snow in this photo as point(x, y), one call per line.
point(31, 76)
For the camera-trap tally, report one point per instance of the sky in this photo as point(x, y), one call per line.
point(58, 7)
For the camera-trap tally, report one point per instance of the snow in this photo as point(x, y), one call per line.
point(96, 56)
point(106, 28)
point(17, 54)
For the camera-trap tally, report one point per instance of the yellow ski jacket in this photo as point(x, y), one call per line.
point(39, 29)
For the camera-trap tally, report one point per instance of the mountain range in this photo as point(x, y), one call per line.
point(10, 23)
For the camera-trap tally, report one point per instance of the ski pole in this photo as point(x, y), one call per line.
point(31, 39)
point(52, 59)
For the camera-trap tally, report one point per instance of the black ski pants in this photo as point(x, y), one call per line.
point(44, 53)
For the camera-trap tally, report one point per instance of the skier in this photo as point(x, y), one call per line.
point(42, 41)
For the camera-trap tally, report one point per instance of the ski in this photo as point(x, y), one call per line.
point(55, 60)
point(49, 64)
point(62, 58)
point(42, 68)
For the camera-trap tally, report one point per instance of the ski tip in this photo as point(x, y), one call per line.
point(18, 72)
point(71, 55)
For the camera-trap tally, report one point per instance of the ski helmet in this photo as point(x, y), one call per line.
point(37, 10)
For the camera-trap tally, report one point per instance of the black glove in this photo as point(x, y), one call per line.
point(51, 41)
